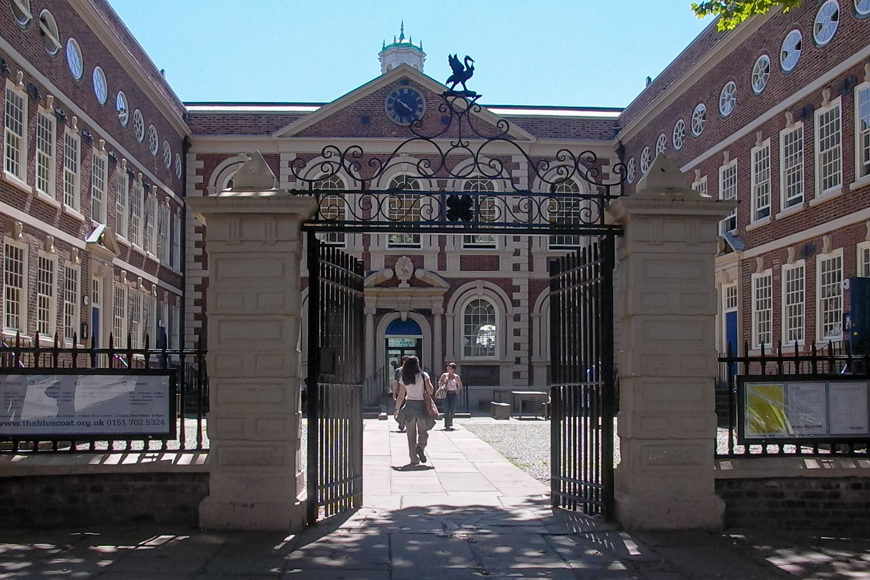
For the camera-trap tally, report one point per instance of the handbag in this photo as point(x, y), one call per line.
point(431, 408)
point(440, 392)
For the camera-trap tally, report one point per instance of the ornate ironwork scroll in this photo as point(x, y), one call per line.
point(454, 161)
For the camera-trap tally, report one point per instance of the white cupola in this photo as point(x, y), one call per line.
point(401, 51)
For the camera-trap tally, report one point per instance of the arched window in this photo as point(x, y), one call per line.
point(404, 207)
point(564, 210)
point(487, 212)
point(331, 208)
point(479, 328)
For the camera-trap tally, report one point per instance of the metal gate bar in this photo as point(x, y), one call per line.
point(334, 383)
point(582, 392)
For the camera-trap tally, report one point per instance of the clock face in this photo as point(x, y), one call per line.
point(405, 105)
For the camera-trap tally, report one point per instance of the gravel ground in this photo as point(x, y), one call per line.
point(525, 443)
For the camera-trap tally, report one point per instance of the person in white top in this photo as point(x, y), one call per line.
point(411, 408)
point(451, 381)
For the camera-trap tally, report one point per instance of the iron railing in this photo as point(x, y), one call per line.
point(582, 395)
point(334, 382)
point(831, 362)
point(191, 392)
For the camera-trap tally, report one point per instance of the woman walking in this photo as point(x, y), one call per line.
point(451, 381)
point(414, 386)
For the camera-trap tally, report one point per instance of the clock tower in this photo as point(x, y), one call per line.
point(401, 51)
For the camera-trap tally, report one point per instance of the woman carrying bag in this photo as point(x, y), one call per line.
point(413, 408)
point(452, 384)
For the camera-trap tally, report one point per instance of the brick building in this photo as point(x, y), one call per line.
point(99, 155)
point(91, 194)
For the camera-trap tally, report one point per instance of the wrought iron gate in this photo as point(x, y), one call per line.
point(582, 392)
point(334, 383)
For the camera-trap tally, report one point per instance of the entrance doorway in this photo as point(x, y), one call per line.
point(402, 338)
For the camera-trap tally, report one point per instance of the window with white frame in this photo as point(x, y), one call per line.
point(151, 224)
point(119, 314)
point(332, 207)
point(173, 324)
point(15, 140)
point(46, 158)
point(121, 208)
point(565, 211)
point(71, 299)
point(72, 155)
point(728, 190)
point(404, 207)
point(761, 181)
point(762, 308)
point(99, 183)
point(862, 257)
point(791, 154)
point(163, 247)
point(479, 327)
point(148, 225)
point(135, 328)
point(829, 156)
point(829, 296)
point(46, 302)
point(137, 192)
point(700, 185)
point(729, 293)
point(793, 302)
point(149, 322)
point(14, 287)
point(487, 212)
point(862, 130)
point(176, 240)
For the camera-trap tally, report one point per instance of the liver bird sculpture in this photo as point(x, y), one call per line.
point(460, 73)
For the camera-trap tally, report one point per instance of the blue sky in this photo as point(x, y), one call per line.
point(548, 52)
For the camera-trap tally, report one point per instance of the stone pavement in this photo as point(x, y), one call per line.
point(466, 513)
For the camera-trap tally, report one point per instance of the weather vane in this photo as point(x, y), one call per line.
point(461, 73)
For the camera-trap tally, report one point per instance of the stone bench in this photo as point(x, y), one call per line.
point(499, 410)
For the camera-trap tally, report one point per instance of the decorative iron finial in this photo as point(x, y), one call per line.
point(402, 31)
point(461, 73)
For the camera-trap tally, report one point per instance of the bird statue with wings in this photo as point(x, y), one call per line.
point(461, 73)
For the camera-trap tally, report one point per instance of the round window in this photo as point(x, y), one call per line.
point(728, 98)
point(661, 144)
point(826, 22)
point(122, 107)
point(790, 52)
point(167, 155)
point(699, 119)
point(153, 140)
point(760, 73)
point(862, 8)
point(138, 125)
point(101, 88)
point(74, 59)
point(21, 12)
point(178, 167)
point(679, 134)
point(50, 35)
point(644, 160)
point(630, 170)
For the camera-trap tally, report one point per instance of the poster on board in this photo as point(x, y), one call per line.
point(781, 407)
point(806, 408)
point(57, 404)
point(849, 409)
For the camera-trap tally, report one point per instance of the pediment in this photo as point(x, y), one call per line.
point(102, 241)
point(362, 114)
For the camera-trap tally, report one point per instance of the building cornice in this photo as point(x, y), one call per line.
point(167, 102)
point(732, 42)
